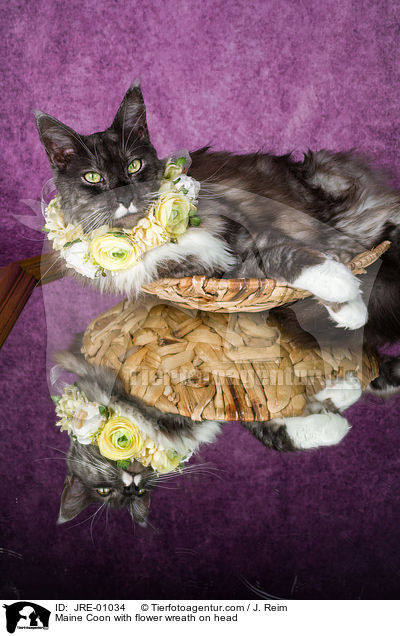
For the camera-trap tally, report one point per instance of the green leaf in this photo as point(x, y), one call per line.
point(176, 180)
point(184, 190)
point(104, 411)
point(56, 398)
point(123, 463)
point(195, 220)
point(181, 161)
point(192, 212)
point(72, 242)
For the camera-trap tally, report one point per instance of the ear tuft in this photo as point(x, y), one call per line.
point(135, 84)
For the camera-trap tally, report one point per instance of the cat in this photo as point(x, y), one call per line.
point(261, 216)
point(94, 479)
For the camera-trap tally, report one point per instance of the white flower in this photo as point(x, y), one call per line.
point(150, 233)
point(86, 421)
point(57, 231)
point(77, 256)
point(188, 183)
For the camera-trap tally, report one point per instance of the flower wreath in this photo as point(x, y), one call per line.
point(111, 250)
point(116, 435)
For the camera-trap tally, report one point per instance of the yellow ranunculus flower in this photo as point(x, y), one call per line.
point(172, 170)
point(172, 212)
point(120, 439)
point(165, 461)
point(115, 252)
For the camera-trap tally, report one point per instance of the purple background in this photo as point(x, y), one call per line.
point(241, 75)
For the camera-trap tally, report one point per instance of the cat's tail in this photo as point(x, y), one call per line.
point(300, 433)
point(388, 381)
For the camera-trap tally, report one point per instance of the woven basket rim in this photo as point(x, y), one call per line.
point(201, 288)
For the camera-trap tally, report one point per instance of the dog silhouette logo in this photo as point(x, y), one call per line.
point(26, 615)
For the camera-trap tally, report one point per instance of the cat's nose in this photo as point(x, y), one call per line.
point(123, 196)
point(130, 490)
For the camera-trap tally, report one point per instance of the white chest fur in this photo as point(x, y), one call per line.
point(208, 251)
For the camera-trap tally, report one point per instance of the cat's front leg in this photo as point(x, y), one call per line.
point(337, 288)
point(300, 433)
point(306, 268)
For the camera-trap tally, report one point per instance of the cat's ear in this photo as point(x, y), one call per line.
point(140, 509)
point(59, 141)
point(74, 499)
point(131, 115)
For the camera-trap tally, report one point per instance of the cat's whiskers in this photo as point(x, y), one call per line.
point(59, 258)
point(106, 470)
point(206, 197)
point(57, 449)
point(156, 484)
point(85, 520)
point(208, 179)
point(94, 220)
point(258, 591)
point(107, 511)
point(197, 469)
point(33, 240)
point(95, 518)
point(98, 467)
point(90, 216)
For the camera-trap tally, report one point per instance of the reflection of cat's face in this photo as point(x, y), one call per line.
point(94, 479)
point(110, 177)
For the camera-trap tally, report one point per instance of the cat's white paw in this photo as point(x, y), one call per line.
point(331, 281)
point(343, 392)
point(320, 429)
point(350, 315)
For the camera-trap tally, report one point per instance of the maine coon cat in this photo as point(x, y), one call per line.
point(94, 479)
point(262, 215)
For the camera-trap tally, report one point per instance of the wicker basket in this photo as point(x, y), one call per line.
point(215, 367)
point(242, 294)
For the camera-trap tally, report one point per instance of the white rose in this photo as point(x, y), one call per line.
point(86, 421)
point(188, 183)
point(75, 257)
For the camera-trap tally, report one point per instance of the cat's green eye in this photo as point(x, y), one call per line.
point(103, 492)
point(92, 177)
point(141, 492)
point(134, 166)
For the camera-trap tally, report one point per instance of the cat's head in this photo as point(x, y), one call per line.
point(109, 177)
point(94, 479)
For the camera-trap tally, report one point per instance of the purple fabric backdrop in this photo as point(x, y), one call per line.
point(241, 75)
